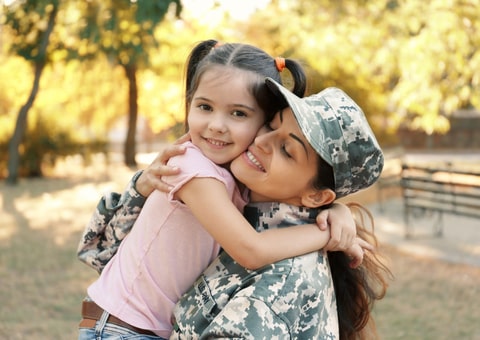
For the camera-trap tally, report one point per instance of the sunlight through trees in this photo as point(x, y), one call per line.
point(409, 64)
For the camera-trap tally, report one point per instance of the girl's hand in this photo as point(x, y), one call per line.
point(342, 227)
point(343, 233)
point(357, 251)
point(151, 178)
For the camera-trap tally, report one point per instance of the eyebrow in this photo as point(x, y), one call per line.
point(300, 141)
point(234, 105)
point(294, 136)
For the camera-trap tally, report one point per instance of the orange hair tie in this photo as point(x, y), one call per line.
point(280, 63)
point(218, 44)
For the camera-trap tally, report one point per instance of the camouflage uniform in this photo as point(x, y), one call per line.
point(291, 299)
point(111, 222)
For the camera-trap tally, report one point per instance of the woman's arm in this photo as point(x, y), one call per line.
point(210, 203)
point(112, 220)
point(116, 214)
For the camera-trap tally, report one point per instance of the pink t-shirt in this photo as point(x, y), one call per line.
point(165, 252)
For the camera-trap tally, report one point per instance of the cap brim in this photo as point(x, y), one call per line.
point(278, 90)
point(305, 116)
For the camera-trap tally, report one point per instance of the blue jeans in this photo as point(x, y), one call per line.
point(110, 331)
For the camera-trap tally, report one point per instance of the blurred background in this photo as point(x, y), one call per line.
point(91, 90)
point(78, 77)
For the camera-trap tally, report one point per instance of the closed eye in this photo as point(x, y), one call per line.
point(285, 152)
point(283, 147)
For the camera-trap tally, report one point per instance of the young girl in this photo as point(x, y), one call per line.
point(315, 150)
point(178, 235)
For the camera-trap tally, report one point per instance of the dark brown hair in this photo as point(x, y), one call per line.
point(357, 289)
point(246, 57)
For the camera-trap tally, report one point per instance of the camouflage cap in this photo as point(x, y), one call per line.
point(336, 127)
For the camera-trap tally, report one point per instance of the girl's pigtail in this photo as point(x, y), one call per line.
point(299, 77)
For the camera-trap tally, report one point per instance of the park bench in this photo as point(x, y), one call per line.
point(438, 190)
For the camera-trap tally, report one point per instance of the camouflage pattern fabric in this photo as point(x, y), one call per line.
point(112, 220)
point(291, 299)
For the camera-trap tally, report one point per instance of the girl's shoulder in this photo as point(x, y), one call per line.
point(194, 162)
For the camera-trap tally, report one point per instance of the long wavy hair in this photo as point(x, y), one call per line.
point(357, 289)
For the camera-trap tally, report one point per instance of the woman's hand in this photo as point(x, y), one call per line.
point(151, 178)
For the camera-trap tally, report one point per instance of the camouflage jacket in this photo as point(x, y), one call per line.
point(291, 299)
point(111, 222)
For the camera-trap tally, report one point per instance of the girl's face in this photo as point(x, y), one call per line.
point(224, 117)
point(280, 165)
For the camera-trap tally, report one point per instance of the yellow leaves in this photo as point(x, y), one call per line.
point(431, 123)
point(160, 101)
point(19, 14)
point(136, 41)
point(465, 92)
point(31, 37)
point(147, 25)
point(59, 55)
point(123, 57)
point(134, 28)
point(49, 8)
point(126, 38)
point(42, 25)
point(124, 25)
point(83, 48)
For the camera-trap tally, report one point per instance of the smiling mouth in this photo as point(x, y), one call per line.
point(216, 142)
point(252, 159)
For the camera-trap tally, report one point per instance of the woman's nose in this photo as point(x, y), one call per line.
point(263, 140)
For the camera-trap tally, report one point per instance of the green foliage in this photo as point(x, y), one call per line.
point(123, 30)
point(28, 20)
point(406, 62)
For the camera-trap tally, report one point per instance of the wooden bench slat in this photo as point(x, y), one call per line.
point(442, 189)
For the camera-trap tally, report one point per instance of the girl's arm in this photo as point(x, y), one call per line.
point(342, 226)
point(210, 203)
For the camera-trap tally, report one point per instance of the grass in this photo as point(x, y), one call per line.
point(429, 299)
point(42, 283)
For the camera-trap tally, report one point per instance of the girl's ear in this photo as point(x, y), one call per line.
point(318, 198)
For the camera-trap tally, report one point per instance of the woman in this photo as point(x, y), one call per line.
point(325, 148)
point(177, 235)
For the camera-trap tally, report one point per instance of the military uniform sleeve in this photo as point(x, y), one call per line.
point(112, 220)
point(246, 318)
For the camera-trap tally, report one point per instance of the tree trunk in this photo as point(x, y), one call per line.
point(130, 143)
point(21, 124)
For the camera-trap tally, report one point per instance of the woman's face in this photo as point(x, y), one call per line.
point(280, 164)
point(224, 117)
